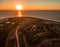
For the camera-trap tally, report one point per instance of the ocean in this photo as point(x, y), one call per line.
point(43, 14)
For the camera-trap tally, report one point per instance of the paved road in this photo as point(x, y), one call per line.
point(27, 32)
point(14, 35)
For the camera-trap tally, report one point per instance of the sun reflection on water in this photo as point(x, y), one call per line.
point(19, 8)
point(19, 14)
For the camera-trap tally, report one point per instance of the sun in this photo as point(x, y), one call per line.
point(19, 7)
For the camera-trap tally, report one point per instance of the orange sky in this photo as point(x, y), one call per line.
point(30, 4)
point(30, 8)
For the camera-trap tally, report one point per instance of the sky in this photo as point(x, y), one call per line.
point(30, 4)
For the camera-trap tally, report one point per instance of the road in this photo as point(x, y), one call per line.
point(13, 34)
point(25, 32)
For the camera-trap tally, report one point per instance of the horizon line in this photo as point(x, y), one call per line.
point(36, 9)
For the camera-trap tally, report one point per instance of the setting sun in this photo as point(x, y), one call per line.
point(19, 7)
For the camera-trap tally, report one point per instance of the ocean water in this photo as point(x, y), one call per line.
point(44, 14)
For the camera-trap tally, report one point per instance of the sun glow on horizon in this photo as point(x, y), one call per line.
point(19, 7)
